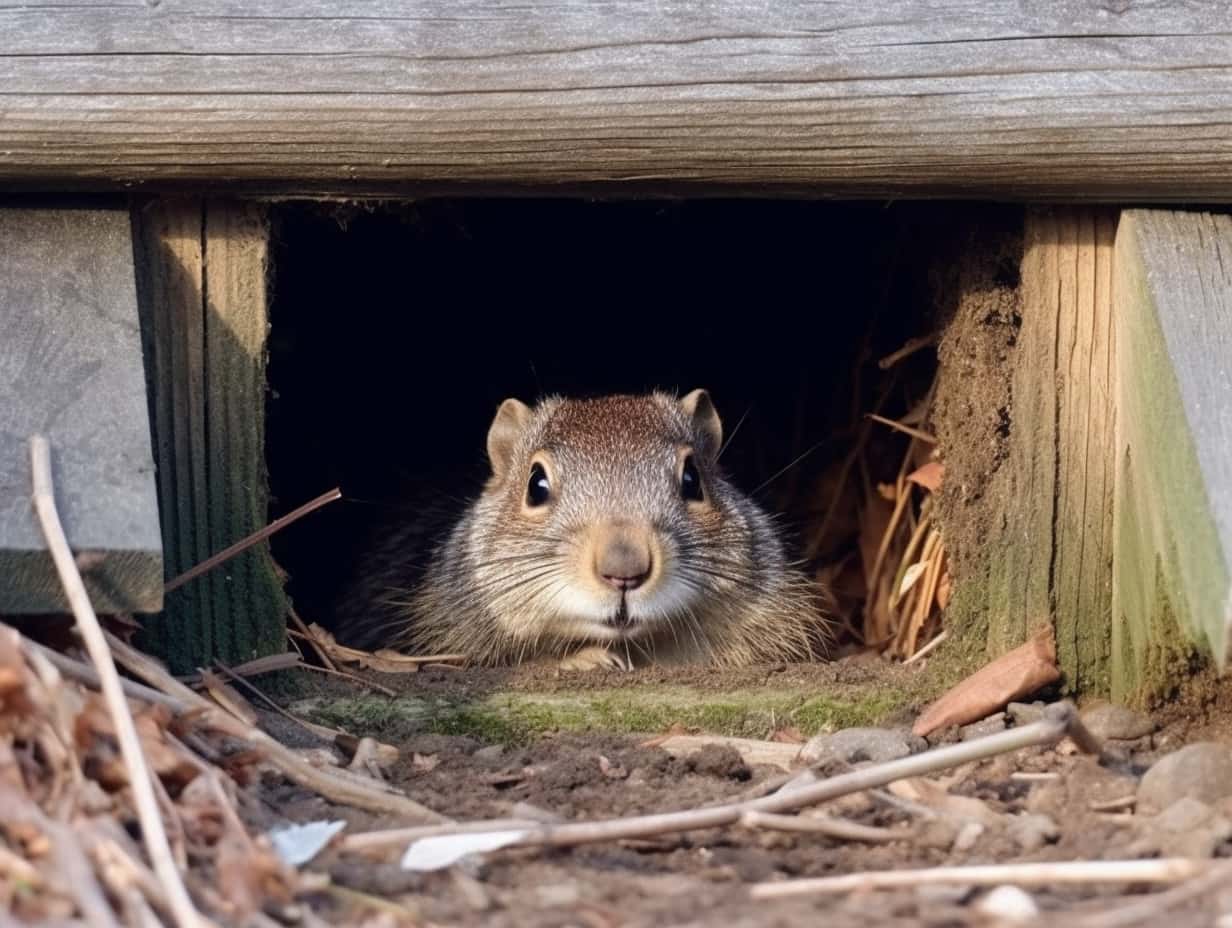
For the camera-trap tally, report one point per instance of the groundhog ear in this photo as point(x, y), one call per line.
point(504, 433)
point(706, 422)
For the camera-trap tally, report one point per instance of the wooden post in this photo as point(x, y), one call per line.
point(202, 286)
point(1047, 502)
point(71, 369)
point(1172, 591)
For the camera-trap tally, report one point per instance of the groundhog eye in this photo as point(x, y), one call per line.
point(538, 489)
point(690, 481)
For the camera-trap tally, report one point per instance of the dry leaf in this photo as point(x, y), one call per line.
point(297, 845)
point(383, 660)
point(929, 476)
point(788, 736)
point(1012, 676)
point(677, 728)
point(944, 589)
point(228, 698)
point(910, 576)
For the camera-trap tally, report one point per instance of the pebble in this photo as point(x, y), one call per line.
point(719, 760)
point(1189, 828)
point(1024, 713)
point(984, 727)
point(1201, 771)
point(1116, 723)
point(852, 745)
point(1032, 831)
point(1008, 905)
point(490, 754)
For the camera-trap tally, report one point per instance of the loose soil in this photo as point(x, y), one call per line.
point(702, 877)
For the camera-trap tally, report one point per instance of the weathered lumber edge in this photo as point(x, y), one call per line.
point(1101, 100)
point(202, 287)
point(1172, 589)
point(1038, 489)
point(71, 369)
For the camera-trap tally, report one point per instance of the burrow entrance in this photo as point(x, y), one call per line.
point(398, 329)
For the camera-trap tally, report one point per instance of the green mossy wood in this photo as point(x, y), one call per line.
point(202, 287)
point(1173, 451)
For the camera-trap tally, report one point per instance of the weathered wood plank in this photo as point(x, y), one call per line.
point(203, 300)
point(1101, 100)
point(71, 368)
point(1044, 499)
point(1173, 451)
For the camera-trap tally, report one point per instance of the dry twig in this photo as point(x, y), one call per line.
point(255, 538)
point(338, 785)
point(1055, 725)
point(91, 631)
point(823, 825)
point(1082, 872)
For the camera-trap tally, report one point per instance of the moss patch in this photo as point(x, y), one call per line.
point(515, 717)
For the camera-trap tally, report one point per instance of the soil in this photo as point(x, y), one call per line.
point(703, 877)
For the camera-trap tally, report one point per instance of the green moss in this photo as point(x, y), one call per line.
point(515, 717)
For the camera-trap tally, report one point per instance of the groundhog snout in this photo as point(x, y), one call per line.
point(623, 559)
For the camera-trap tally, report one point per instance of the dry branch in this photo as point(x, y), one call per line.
point(140, 778)
point(1082, 872)
point(340, 786)
point(1055, 725)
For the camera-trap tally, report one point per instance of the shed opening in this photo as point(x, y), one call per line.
point(397, 329)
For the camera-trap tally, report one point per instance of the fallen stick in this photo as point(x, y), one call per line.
point(139, 776)
point(84, 673)
point(1162, 870)
point(339, 785)
point(72, 868)
point(823, 825)
point(1150, 909)
point(1055, 725)
point(247, 542)
point(368, 841)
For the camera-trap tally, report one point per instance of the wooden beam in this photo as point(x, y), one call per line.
point(1030, 523)
point(202, 281)
point(71, 368)
point(1172, 595)
point(1105, 101)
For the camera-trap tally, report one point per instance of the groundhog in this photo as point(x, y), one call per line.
point(606, 535)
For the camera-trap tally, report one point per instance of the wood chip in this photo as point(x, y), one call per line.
point(1010, 677)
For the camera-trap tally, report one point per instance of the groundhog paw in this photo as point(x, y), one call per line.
point(594, 658)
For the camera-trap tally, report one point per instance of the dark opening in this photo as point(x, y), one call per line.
point(397, 330)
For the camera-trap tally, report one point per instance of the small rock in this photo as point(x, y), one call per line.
point(556, 895)
point(1116, 723)
point(968, 835)
point(1008, 905)
point(1032, 831)
point(989, 726)
point(1024, 713)
point(1183, 815)
point(490, 754)
point(1189, 828)
point(719, 760)
point(1201, 771)
point(852, 745)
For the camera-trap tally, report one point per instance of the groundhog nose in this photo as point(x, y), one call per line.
point(624, 564)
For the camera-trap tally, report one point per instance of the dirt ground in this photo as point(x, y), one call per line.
point(703, 877)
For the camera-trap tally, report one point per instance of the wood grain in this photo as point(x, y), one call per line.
point(71, 369)
point(1173, 523)
point(202, 273)
point(1099, 99)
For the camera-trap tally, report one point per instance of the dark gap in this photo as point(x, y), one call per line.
point(397, 330)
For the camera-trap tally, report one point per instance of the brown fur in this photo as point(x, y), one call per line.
point(512, 581)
